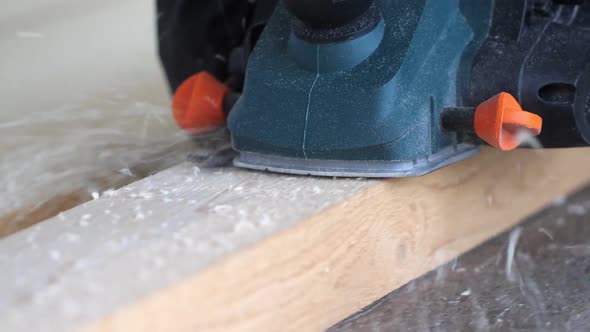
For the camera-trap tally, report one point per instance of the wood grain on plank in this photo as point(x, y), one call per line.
point(232, 250)
point(146, 236)
point(340, 260)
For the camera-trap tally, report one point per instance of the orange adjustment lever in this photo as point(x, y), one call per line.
point(198, 103)
point(500, 120)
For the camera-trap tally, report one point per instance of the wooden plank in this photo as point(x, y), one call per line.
point(224, 250)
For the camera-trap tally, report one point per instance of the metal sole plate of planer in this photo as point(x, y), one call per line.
point(356, 168)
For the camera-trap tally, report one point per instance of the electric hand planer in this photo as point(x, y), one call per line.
point(395, 88)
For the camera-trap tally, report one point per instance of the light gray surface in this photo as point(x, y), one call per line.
point(82, 96)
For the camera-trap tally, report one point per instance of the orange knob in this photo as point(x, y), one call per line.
point(198, 103)
point(500, 119)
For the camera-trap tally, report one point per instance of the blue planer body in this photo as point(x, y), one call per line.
point(397, 88)
point(368, 106)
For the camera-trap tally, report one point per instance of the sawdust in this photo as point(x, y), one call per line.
point(53, 161)
point(510, 251)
